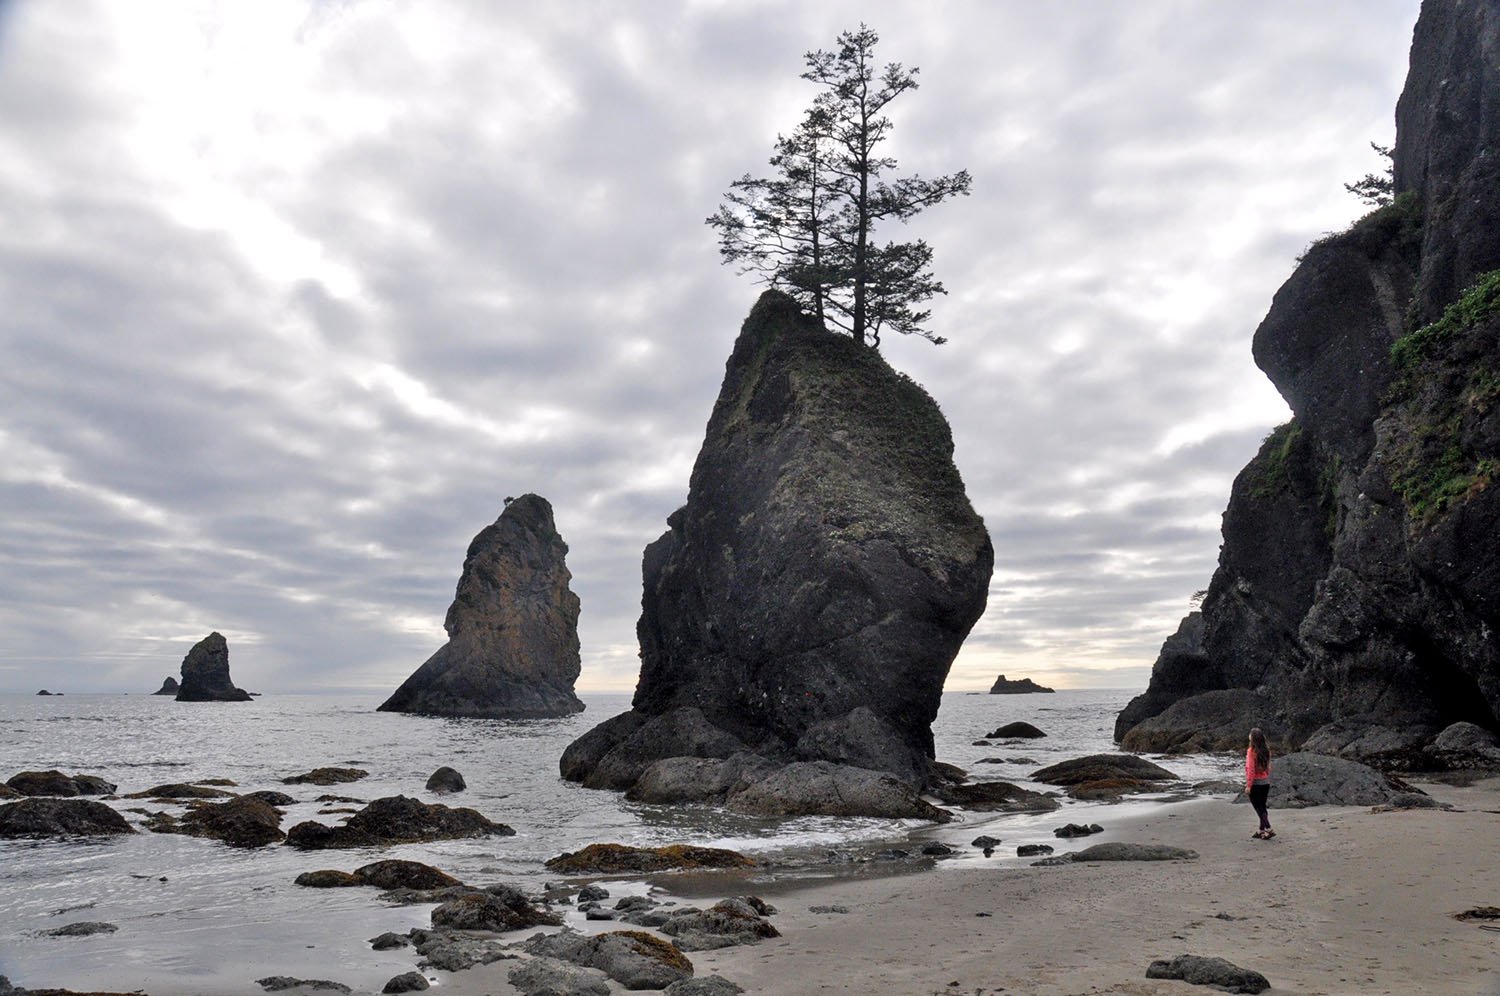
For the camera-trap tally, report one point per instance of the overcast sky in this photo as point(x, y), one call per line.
point(293, 294)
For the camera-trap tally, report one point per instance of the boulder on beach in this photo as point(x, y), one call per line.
point(55, 783)
point(725, 924)
point(512, 650)
point(48, 817)
point(168, 687)
point(179, 790)
point(1021, 686)
point(613, 859)
point(396, 820)
point(1302, 780)
point(205, 673)
point(400, 874)
point(1118, 850)
point(1099, 767)
point(542, 976)
point(634, 959)
point(1214, 972)
point(498, 909)
point(406, 982)
point(820, 788)
point(83, 928)
point(1358, 583)
point(806, 603)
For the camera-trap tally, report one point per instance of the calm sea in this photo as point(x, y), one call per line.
point(195, 915)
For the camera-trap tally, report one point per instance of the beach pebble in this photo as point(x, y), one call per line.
point(828, 909)
point(406, 982)
point(1216, 972)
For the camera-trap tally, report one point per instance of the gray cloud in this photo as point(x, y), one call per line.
point(279, 342)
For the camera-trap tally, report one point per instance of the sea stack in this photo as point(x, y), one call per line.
point(512, 650)
point(806, 603)
point(205, 673)
point(168, 687)
point(1021, 686)
point(1357, 596)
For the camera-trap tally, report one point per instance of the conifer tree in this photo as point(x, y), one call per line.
point(812, 228)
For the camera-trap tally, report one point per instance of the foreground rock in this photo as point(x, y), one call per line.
point(1358, 586)
point(1302, 780)
point(634, 959)
point(996, 797)
point(1022, 686)
point(725, 924)
point(205, 673)
point(857, 569)
point(242, 822)
point(326, 776)
point(83, 928)
point(512, 649)
point(281, 983)
point(821, 788)
point(614, 859)
point(454, 951)
point(445, 779)
point(60, 818)
point(168, 687)
point(1015, 731)
point(1215, 972)
point(396, 820)
point(541, 976)
point(499, 908)
point(1123, 851)
point(55, 783)
point(1105, 776)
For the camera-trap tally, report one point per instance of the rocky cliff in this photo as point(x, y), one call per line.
point(512, 650)
point(1358, 588)
point(205, 673)
point(806, 603)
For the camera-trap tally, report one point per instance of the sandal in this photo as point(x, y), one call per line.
point(1259, 835)
point(1269, 834)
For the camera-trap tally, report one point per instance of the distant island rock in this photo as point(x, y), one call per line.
point(803, 608)
point(1021, 686)
point(168, 687)
point(45, 692)
point(1357, 594)
point(205, 673)
point(512, 650)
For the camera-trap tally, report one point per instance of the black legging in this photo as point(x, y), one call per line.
point(1258, 794)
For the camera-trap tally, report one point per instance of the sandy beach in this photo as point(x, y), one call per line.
point(1343, 900)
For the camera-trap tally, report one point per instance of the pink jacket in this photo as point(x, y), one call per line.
point(1252, 772)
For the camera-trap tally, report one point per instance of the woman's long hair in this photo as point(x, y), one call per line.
point(1261, 748)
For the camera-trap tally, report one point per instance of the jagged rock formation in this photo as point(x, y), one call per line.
point(205, 673)
point(168, 687)
point(1358, 587)
point(806, 603)
point(512, 650)
point(1021, 686)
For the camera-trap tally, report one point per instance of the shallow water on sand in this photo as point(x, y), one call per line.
point(197, 915)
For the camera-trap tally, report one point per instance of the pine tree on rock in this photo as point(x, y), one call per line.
point(811, 229)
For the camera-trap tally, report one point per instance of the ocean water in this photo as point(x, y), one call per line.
point(198, 916)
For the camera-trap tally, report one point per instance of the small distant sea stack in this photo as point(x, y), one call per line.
point(512, 650)
point(205, 673)
point(168, 687)
point(1021, 686)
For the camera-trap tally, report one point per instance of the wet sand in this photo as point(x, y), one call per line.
point(1343, 900)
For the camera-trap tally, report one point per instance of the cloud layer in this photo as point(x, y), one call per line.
point(293, 294)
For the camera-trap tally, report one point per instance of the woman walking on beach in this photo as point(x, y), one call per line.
point(1258, 781)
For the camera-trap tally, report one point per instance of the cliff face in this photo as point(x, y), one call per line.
point(205, 673)
point(512, 651)
point(807, 601)
point(1358, 589)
